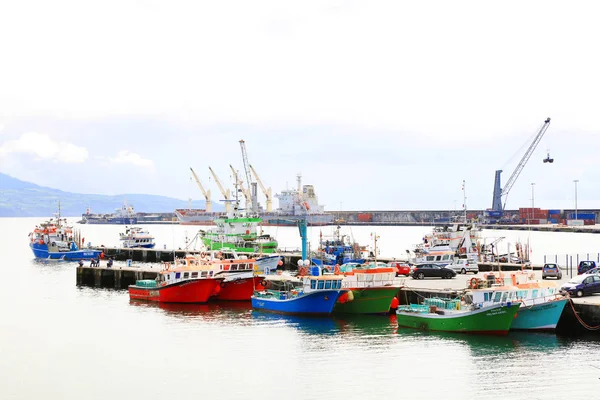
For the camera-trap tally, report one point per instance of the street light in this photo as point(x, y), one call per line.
point(532, 198)
point(575, 181)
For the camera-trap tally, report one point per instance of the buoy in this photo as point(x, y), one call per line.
point(395, 303)
point(343, 298)
point(350, 295)
point(280, 263)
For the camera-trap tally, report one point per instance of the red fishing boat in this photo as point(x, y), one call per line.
point(240, 281)
point(189, 280)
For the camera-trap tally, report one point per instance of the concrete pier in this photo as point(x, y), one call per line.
point(116, 277)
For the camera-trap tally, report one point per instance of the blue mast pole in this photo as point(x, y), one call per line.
point(302, 229)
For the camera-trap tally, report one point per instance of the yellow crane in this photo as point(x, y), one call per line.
point(206, 193)
point(225, 193)
point(267, 192)
point(240, 183)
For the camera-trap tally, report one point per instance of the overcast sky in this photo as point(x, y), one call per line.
point(379, 105)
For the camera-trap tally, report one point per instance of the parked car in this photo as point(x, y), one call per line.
point(585, 266)
point(593, 271)
point(423, 271)
point(551, 270)
point(582, 285)
point(462, 266)
point(402, 268)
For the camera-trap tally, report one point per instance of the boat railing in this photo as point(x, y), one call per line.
point(367, 284)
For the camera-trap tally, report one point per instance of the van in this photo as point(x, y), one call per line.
point(462, 266)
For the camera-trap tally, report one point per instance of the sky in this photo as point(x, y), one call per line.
point(383, 105)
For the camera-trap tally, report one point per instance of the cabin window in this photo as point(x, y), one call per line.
point(446, 257)
point(177, 275)
point(497, 297)
point(194, 274)
point(430, 258)
point(327, 284)
point(438, 258)
point(203, 274)
point(243, 266)
point(313, 284)
point(534, 294)
point(487, 296)
point(504, 296)
point(186, 274)
point(234, 267)
point(321, 284)
point(339, 284)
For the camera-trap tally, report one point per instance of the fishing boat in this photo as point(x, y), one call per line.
point(188, 280)
point(136, 237)
point(541, 303)
point(241, 277)
point(452, 315)
point(370, 288)
point(238, 232)
point(446, 242)
point(287, 294)
point(54, 239)
point(339, 249)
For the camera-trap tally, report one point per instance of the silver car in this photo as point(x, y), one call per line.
point(462, 266)
point(551, 270)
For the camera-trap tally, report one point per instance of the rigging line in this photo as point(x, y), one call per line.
point(520, 150)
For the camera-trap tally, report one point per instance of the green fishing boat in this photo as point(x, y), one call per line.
point(370, 286)
point(449, 315)
point(240, 233)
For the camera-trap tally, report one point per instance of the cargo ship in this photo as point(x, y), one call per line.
point(294, 204)
point(122, 216)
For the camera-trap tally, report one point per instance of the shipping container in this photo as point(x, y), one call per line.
point(495, 213)
point(589, 222)
point(582, 216)
point(365, 217)
point(553, 220)
point(553, 212)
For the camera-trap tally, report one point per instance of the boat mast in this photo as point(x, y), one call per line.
point(464, 201)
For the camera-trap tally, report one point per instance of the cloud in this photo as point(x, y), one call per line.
point(44, 147)
point(129, 157)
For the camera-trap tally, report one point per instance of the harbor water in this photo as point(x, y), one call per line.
point(61, 341)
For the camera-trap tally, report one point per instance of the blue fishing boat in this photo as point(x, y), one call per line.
point(54, 240)
point(287, 294)
point(339, 249)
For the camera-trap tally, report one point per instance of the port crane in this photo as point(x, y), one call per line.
point(225, 193)
point(206, 193)
point(500, 192)
point(240, 184)
point(266, 191)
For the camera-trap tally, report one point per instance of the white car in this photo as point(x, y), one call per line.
point(462, 266)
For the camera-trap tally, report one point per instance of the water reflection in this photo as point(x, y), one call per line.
point(317, 325)
point(233, 311)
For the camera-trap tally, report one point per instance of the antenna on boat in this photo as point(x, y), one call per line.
point(464, 200)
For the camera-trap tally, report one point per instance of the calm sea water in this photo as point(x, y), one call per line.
point(60, 341)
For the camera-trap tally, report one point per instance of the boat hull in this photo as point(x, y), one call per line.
point(374, 300)
point(267, 248)
point(543, 317)
point(238, 289)
point(41, 251)
point(190, 291)
point(495, 320)
point(316, 303)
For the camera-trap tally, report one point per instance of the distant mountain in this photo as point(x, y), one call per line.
point(25, 199)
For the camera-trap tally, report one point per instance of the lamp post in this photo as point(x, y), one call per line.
point(575, 181)
point(532, 200)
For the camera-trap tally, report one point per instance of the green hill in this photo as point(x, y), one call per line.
point(25, 199)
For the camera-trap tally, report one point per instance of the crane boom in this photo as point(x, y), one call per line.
point(266, 191)
point(246, 164)
point(206, 193)
point(225, 193)
point(240, 183)
point(499, 193)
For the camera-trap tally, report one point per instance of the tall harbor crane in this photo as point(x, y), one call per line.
point(240, 184)
point(206, 193)
point(251, 185)
point(266, 191)
point(500, 192)
point(225, 193)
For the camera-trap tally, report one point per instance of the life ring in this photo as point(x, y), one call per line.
point(302, 271)
point(336, 270)
point(203, 255)
point(166, 266)
point(463, 250)
point(498, 281)
point(328, 268)
point(220, 255)
point(473, 283)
